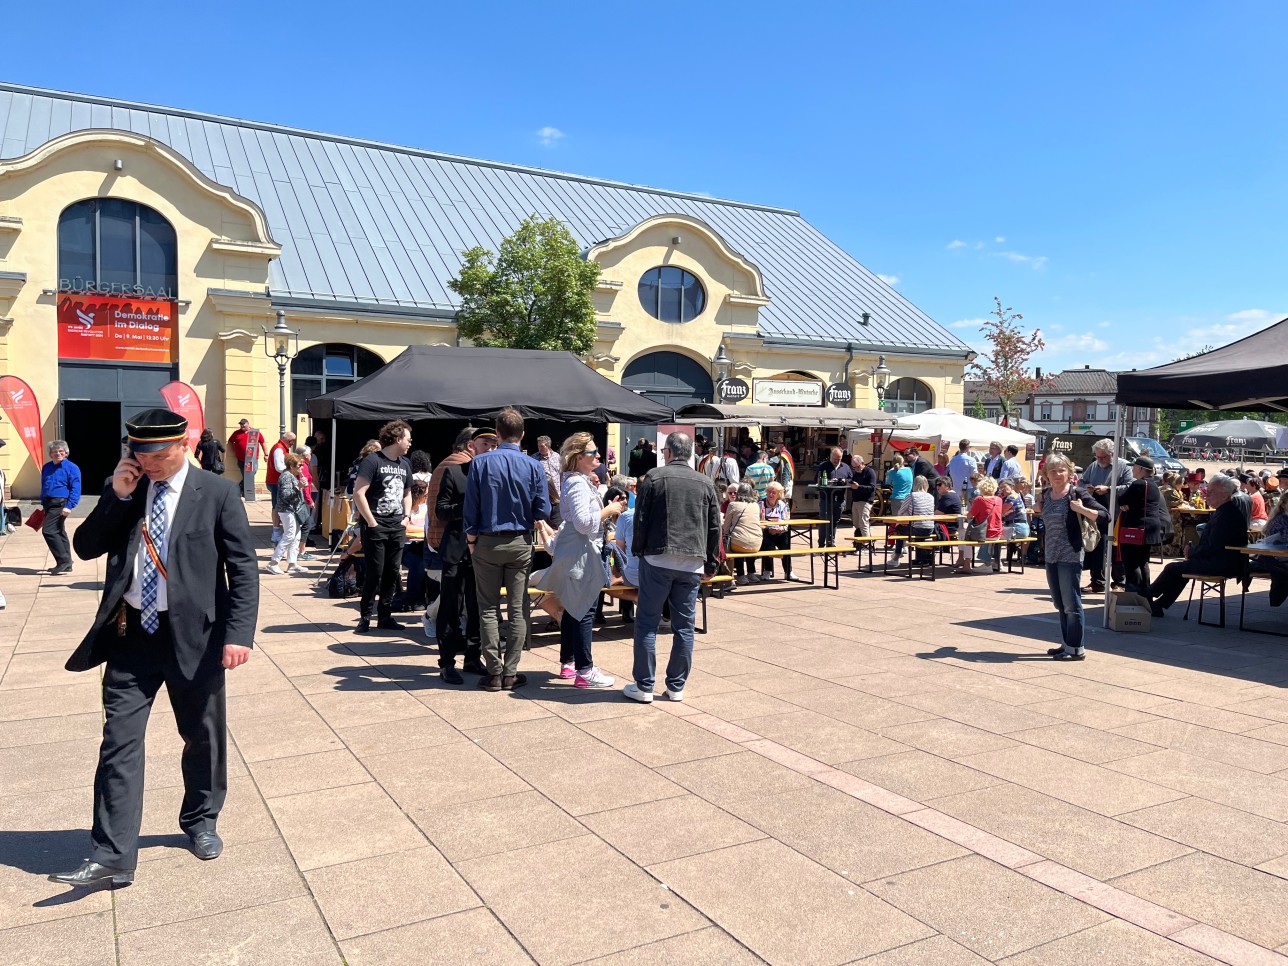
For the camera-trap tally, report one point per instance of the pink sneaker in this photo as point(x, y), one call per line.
point(595, 678)
point(568, 670)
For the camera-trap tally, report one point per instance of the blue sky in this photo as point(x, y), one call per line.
point(1114, 171)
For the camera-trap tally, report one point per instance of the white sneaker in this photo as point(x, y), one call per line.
point(297, 570)
point(274, 569)
point(595, 678)
point(633, 692)
point(674, 695)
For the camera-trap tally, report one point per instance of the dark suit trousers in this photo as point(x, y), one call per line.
point(382, 548)
point(1169, 584)
point(54, 530)
point(134, 673)
point(457, 591)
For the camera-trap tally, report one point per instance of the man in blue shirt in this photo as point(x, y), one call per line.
point(60, 491)
point(505, 495)
point(961, 466)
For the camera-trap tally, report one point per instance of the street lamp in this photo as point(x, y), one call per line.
point(281, 345)
point(880, 380)
point(721, 363)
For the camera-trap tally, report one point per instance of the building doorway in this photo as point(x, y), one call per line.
point(92, 430)
point(668, 378)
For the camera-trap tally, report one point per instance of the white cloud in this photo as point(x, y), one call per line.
point(956, 245)
point(1103, 325)
point(1035, 262)
point(999, 239)
point(1257, 317)
point(1077, 342)
point(891, 280)
point(968, 323)
point(549, 135)
point(1056, 327)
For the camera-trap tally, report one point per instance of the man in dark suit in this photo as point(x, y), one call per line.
point(180, 602)
point(1227, 527)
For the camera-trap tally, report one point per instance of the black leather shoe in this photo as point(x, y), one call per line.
point(1156, 611)
point(364, 625)
point(207, 845)
point(511, 681)
point(61, 569)
point(451, 675)
point(1053, 651)
point(476, 667)
point(93, 874)
point(388, 624)
point(1066, 656)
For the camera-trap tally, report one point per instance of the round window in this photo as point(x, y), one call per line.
point(672, 294)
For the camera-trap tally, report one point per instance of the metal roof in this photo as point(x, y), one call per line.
point(377, 224)
point(1085, 381)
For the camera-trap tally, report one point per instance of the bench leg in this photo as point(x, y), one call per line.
point(1189, 601)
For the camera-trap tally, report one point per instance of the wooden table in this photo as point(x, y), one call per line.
point(909, 518)
point(1250, 552)
point(802, 527)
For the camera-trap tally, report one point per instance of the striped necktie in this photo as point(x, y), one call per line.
point(153, 558)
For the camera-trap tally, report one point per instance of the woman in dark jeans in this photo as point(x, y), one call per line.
point(1143, 506)
point(210, 453)
point(1059, 505)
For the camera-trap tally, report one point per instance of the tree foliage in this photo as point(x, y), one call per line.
point(1004, 369)
point(535, 293)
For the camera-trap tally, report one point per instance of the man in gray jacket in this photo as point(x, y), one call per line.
point(677, 538)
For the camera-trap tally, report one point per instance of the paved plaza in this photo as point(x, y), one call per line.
point(891, 773)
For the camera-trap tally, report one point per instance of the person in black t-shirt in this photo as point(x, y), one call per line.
point(382, 496)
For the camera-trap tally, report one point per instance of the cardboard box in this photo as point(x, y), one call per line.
point(1129, 613)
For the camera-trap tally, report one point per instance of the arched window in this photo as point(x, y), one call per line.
point(908, 395)
point(672, 295)
point(111, 246)
point(320, 369)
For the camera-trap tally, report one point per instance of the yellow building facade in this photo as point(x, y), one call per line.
point(231, 262)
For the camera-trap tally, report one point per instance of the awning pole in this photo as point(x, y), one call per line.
point(1120, 426)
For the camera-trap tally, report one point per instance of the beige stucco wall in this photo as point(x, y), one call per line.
point(224, 255)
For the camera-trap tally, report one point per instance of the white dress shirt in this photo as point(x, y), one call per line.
point(134, 595)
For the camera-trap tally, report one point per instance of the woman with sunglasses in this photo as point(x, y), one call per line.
point(577, 573)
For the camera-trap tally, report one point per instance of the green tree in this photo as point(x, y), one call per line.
point(1004, 369)
point(977, 409)
point(533, 294)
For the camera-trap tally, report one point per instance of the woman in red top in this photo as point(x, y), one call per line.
point(984, 520)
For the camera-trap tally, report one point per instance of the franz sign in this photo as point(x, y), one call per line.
point(733, 390)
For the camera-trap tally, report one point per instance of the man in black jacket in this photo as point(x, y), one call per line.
point(921, 466)
point(677, 538)
point(457, 586)
point(1227, 527)
point(179, 607)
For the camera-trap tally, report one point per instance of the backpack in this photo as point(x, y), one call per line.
point(347, 579)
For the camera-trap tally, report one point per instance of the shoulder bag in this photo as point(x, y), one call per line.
point(1090, 532)
point(1135, 536)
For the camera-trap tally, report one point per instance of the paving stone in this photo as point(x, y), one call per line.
point(706, 947)
point(1076, 782)
point(343, 824)
point(939, 950)
point(1211, 827)
point(1113, 943)
point(1259, 794)
point(288, 933)
point(521, 739)
point(859, 709)
point(1217, 892)
point(63, 764)
point(918, 775)
point(829, 920)
point(81, 940)
point(1241, 751)
point(403, 735)
point(1086, 744)
point(618, 780)
point(948, 739)
point(308, 773)
point(285, 735)
point(628, 907)
point(475, 936)
point(386, 891)
point(821, 737)
point(443, 775)
point(735, 777)
point(488, 826)
point(1080, 839)
point(986, 908)
point(660, 739)
point(348, 709)
point(673, 828)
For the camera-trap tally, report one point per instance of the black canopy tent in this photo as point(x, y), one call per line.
point(1249, 374)
point(445, 382)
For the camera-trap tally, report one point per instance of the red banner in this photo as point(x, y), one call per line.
point(19, 404)
point(183, 399)
point(114, 329)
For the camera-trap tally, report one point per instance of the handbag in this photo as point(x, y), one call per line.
point(1090, 533)
point(1134, 536)
point(37, 519)
point(977, 531)
point(303, 513)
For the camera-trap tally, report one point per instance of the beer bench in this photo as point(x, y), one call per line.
point(938, 545)
point(831, 560)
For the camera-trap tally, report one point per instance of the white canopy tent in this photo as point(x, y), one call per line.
point(950, 426)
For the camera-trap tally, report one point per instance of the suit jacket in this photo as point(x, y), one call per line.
point(1227, 527)
point(213, 576)
point(449, 510)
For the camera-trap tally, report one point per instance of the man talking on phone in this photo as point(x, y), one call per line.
point(180, 602)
